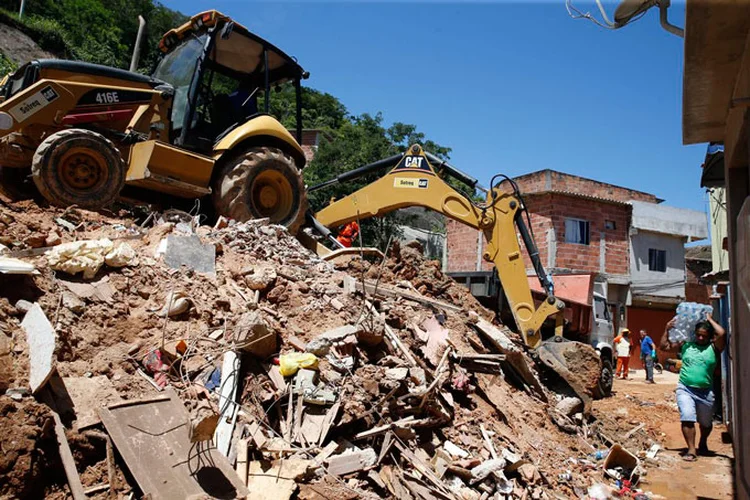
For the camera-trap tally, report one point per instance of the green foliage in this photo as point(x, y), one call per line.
point(358, 141)
point(6, 65)
point(97, 31)
point(320, 110)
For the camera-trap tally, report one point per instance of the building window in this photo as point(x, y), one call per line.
point(657, 260)
point(610, 225)
point(577, 231)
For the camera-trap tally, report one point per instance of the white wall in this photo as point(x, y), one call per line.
point(663, 284)
point(669, 220)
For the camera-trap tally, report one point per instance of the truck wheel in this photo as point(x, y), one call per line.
point(78, 167)
point(606, 378)
point(262, 182)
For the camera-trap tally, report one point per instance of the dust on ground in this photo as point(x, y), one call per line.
point(633, 403)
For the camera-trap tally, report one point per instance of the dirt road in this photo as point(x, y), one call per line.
point(670, 476)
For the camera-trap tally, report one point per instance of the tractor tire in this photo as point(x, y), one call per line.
point(606, 379)
point(262, 182)
point(78, 167)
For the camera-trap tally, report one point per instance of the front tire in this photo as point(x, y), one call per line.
point(262, 182)
point(78, 167)
point(606, 379)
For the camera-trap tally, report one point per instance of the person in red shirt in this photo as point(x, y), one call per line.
point(348, 234)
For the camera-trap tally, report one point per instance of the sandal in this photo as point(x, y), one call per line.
point(689, 457)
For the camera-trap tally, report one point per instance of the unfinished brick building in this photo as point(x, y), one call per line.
point(585, 227)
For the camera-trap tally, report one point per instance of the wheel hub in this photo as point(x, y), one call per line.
point(82, 169)
point(271, 196)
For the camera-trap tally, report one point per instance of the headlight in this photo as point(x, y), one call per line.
point(6, 121)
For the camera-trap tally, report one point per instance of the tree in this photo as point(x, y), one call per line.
point(359, 141)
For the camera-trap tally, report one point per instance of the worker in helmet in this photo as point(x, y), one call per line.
point(348, 234)
point(624, 348)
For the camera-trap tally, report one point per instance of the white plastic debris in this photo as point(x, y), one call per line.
point(486, 468)
point(454, 450)
point(651, 453)
point(161, 249)
point(599, 491)
point(175, 303)
point(88, 256)
point(9, 265)
point(122, 255)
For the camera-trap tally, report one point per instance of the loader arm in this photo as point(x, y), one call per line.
point(414, 182)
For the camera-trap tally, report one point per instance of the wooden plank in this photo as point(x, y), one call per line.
point(326, 452)
point(404, 423)
point(97, 489)
point(387, 443)
point(313, 421)
point(255, 431)
point(241, 466)
point(152, 439)
point(393, 338)
point(423, 468)
point(347, 463)
point(330, 417)
point(385, 291)
point(298, 420)
point(230, 370)
point(288, 434)
point(275, 375)
point(488, 441)
point(514, 357)
point(66, 456)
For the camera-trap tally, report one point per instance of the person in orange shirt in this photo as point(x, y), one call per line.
point(348, 234)
point(623, 348)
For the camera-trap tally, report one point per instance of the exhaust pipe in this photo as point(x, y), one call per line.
point(138, 39)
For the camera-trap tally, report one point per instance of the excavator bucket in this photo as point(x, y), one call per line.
point(578, 364)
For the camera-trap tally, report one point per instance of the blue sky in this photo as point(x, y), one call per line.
point(511, 87)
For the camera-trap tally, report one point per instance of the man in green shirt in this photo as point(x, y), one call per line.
point(695, 395)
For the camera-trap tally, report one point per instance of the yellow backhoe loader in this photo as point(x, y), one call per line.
point(191, 129)
point(414, 179)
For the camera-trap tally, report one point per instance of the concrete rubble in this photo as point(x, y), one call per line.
point(298, 373)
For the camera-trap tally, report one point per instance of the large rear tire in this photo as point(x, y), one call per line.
point(78, 167)
point(262, 182)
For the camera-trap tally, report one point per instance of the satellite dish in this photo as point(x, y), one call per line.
point(626, 12)
point(628, 9)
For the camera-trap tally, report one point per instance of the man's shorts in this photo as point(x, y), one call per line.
point(696, 405)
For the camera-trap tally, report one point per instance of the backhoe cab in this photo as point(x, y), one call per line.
point(191, 129)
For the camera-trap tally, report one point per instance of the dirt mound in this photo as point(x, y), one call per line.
point(19, 47)
point(29, 449)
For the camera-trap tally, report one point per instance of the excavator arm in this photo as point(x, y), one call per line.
point(413, 181)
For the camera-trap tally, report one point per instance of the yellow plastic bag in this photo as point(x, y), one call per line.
point(290, 363)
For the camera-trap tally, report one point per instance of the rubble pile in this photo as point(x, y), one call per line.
point(187, 347)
